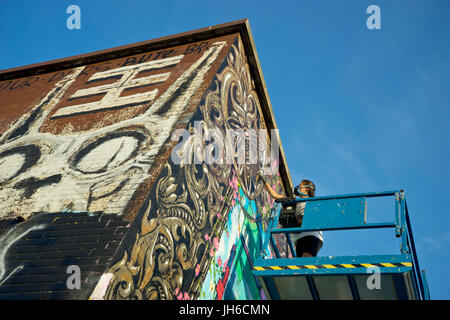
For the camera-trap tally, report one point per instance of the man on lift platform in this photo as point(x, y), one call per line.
point(307, 244)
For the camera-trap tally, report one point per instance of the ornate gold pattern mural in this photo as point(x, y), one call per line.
point(168, 252)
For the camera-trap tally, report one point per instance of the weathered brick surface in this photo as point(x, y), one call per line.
point(83, 146)
point(87, 144)
point(35, 265)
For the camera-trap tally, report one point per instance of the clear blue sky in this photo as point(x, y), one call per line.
point(358, 110)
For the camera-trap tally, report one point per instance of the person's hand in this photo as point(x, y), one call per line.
point(260, 176)
point(284, 199)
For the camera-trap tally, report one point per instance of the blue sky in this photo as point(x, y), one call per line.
point(358, 110)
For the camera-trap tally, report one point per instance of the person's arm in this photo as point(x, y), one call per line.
point(299, 212)
point(269, 189)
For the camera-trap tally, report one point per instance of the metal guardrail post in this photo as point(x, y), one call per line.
point(273, 221)
point(402, 227)
point(414, 253)
point(425, 284)
point(398, 230)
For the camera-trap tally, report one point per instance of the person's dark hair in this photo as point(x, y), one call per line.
point(311, 189)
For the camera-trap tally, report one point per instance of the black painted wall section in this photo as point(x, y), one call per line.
point(35, 254)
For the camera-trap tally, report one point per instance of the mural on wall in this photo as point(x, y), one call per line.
point(197, 213)
point(7, 240)
point(68, 153)
point(100, 140)
point(87, 139)
point(230, 274)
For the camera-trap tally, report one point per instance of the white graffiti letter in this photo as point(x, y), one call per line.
point(74, 280)
point(214, 150)
point(235, 146)
point(374, 281)
point(73, 21)
point(269, 156)
point(374, 20)
point(180, 153)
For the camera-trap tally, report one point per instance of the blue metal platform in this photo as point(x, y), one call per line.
point(341, 277)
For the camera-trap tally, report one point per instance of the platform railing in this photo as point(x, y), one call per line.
point(346, 212)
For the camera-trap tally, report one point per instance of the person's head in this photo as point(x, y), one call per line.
point(307, 187)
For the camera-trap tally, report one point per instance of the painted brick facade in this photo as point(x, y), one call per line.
point(88, 176)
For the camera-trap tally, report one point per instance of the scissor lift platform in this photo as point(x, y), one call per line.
point(341, 277)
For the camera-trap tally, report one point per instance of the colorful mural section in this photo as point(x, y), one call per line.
point(201, 225)
point(97, 146)
point(230, 274)
point(90, 141)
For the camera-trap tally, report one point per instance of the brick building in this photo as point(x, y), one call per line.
point(95, 180)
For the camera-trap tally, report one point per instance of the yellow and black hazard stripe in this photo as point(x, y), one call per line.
point(336, 266)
